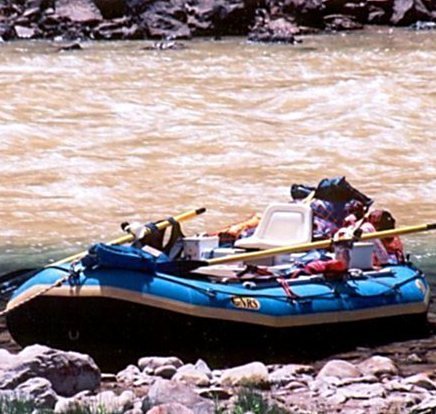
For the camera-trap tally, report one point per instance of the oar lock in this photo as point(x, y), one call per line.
point(136, 229)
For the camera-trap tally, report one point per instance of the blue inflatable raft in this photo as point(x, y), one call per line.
point(103, 307)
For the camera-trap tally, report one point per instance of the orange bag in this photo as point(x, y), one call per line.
point(230, 234)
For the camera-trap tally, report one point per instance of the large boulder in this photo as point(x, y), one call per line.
point(379, 366)
point(406, 12)
point(165, 20)
point(338, 368)
point(170, 392)
point(219, 17)
point(80, 11)
point(68, 372)
point(253, 374)
point(39, 391)
point(279, 30)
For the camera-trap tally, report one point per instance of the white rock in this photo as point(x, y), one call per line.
point(378, 365)
point(39, 391)
point(110, 402)
point(66, 405)
point(189, 374)
point(427, 406)
point(288, 373)
point(68, 372)
point(363, 391)
point(254, 374)
point(421, 380)
point(165, 392)
point(151, 363)
point(339, 369)
point(201, 366)
point(129, 374)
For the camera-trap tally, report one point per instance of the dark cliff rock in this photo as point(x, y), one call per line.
point(260, 20)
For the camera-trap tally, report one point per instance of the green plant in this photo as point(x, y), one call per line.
point(253, 401)
point(15, 406)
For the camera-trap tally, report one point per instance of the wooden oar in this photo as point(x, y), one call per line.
point(24, 274)
point(322, 244)
point(130, 237)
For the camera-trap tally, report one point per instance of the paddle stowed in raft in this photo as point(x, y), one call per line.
point(134, 298)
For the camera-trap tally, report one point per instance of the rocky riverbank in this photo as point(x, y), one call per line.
point(65, 382)
point(259, 20)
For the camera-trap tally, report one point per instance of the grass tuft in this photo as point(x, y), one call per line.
point(249, 400)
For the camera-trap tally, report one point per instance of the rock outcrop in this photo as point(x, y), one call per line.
point(260, 20)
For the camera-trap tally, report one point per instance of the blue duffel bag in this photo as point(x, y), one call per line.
point(122, 257)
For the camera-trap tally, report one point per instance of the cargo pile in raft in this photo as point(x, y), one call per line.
point(324, 258)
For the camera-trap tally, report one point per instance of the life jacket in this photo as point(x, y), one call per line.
point(383, 220)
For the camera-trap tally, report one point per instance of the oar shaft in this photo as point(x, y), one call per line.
point(129, 237)
point(322, 244)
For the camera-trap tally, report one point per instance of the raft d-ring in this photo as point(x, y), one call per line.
point(73, 334)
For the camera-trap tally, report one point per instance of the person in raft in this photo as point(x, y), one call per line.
point(386, 251)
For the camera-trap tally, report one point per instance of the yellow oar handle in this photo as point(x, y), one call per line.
point(129, 237)
point(322, 244)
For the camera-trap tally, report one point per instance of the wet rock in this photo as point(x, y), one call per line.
point(339, 369)
point(150, 364)
point(68, 372)
point(423, 26)
point(166, 45)
point(166, 392)
point(39, 391)
point(70, 46)
point(378, 366)
point(252, 374)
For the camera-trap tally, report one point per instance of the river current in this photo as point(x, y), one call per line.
point(90, 138)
